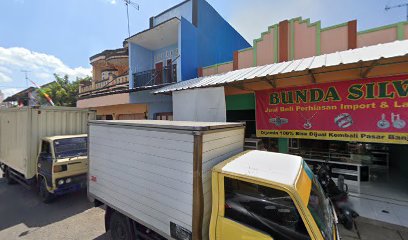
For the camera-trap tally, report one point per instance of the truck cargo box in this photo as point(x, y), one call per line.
point(158, 173)
point(21, 130)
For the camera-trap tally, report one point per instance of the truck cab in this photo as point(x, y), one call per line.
point(62, 165)
point(264, 195)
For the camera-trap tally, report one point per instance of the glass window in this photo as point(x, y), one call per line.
point(70, 147)
point(45, 147)
point(268, 210)
point(320, 209)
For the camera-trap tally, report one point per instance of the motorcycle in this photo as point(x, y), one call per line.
point(338, 194)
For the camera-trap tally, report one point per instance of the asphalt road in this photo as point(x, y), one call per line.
point(24, 216)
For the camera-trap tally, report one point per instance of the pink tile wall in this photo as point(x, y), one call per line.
point(225, 68)
point(377, 37)
point(334, 40)
point(246, 59)
point(265, 50)
point(210, 71)
point(406, 32)
point(305, 40)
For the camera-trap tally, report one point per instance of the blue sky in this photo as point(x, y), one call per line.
point(47, 36)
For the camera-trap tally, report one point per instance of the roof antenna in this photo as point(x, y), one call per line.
point(134, 5)
point(26, 75)
point(397, 6)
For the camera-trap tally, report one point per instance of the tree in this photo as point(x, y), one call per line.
point(62, 91)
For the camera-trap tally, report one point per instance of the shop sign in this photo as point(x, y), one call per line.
point(366, 110)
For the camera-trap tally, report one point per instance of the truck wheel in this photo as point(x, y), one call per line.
point(46, 197)
point(120, 227)
point(9, 180)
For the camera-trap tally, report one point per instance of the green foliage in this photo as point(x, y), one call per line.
point(62, 91)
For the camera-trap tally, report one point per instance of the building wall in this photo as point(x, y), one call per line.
point(334, 40)
point(107, 100)
point(211, 70)
point(137, 110)
point(140, 59)
point(376, 37)
point(189, 52)
point(184, 10)
point(246, 58)
point(406, 31)
point(155, 103)
point(304, 40)
point(218, 68)
point(297, 38)
point(265, 49)
point(163, 54)
point(217, 39)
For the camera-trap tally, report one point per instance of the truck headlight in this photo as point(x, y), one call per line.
point(61, 181)
point(68, 180)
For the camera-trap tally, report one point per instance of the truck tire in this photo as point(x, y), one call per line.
point(46, 197)
point(120, 227)
point(9, 180)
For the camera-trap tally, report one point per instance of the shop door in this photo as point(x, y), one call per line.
point(159, 73)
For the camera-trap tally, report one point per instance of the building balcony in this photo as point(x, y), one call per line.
point(155, 77)
point(110, 84)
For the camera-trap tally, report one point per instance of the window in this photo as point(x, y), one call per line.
point(71, 147)
point(45, 147)
point(265, 209)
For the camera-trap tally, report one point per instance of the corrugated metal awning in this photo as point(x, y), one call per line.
point(364, 54)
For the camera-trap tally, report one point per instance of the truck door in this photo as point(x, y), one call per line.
point(254, 211)
point(45, 162)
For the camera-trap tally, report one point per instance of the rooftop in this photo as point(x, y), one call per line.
point(358, 55)
point(180, 125)
point(275, 167)
point(110, 53)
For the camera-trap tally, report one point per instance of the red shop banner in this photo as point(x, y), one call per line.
point(366, 110)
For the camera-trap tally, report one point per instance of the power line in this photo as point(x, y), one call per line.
point(387, 8)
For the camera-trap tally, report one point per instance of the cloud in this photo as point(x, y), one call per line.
point(9, 91)
point(41, 66)
point(112, 1)
point(4, 77)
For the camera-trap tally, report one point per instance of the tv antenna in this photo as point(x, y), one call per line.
point(387, 8)
point(26, 75)
point(135, 6)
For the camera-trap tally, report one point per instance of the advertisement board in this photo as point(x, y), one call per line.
point(365, 110)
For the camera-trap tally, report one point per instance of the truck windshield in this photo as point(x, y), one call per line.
point(320, 209)
point(70, 147)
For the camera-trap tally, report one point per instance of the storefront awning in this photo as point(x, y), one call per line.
point(365, 54)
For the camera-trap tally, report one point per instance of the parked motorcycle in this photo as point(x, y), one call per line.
point(338, 194)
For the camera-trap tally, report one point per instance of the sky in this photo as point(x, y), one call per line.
point(45, 37)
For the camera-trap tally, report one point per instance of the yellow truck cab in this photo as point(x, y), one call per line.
point(62, 165)
point(265, 195)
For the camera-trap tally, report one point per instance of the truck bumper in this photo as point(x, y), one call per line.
point(77, 183)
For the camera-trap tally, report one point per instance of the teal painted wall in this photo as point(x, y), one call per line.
point(240, 102)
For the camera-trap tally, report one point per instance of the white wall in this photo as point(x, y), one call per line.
point(207, 105)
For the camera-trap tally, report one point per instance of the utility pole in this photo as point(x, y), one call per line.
point(387, 8)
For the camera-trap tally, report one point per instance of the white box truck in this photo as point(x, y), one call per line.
point(192, 180)
point(45, 147)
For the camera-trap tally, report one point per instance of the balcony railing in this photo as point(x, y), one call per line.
point(155, 77)
point(110, 83)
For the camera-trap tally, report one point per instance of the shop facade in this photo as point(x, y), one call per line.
point(348, 108)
